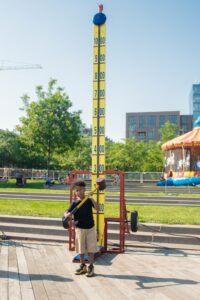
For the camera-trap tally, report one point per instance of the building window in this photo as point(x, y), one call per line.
point(196, 88)
point(197, 106)
point(151, 134)
point(183, 120)
point(131, 133)
point(162, 120)
point(132, 122)
point(141, 122)
point(151, 121)
point(173, 119)
point(195, 115)
point(184, 128)
point(142, 135)
point(196, 97)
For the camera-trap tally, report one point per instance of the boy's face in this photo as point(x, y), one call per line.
point(80, 192)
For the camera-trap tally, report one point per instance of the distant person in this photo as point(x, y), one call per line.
point(170, 174)
point(162, 178)
point(49, 182)
point(197, 164)
point(68, 181)
point(20, 181)
point(61, 180)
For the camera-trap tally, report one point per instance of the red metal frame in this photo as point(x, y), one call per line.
point(122, 219)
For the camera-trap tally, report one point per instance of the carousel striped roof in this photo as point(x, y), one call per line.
point(189, 139)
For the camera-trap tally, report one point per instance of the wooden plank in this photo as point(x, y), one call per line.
point(35, 276)
point(56, 267)
point(76, 287)
point(103, 289)
point(14, 286)
point(121, 277)
point(84, 283)
point(47, 277)
point(164, 274)
point(181, 277)
point(25, 283)
point(147, 275)
point(4, 270)
point(46, 272)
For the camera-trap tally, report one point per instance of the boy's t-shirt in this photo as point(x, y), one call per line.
point(83, 217)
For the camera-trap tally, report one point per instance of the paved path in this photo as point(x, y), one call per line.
point(30, 270)
point(147, 200)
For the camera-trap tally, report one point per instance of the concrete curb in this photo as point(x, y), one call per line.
point(50, 229)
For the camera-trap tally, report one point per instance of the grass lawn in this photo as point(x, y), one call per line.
point(163, 194)
point(147, 214)
point(32, 186)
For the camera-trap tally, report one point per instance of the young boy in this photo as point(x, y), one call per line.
point(86, 241)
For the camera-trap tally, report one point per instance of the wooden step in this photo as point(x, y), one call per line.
point(51, 229)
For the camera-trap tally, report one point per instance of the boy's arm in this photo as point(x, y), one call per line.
point(67, 213)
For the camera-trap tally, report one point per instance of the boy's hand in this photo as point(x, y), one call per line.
point(66, 214)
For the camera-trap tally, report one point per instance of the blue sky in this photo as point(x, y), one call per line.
point(153, 55)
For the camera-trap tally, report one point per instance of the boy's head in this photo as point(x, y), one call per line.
point(79, 187)
point(79, 183)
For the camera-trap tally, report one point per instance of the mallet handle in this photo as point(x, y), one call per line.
point(83, 201)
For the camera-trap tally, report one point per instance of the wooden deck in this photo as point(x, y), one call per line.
point(33, 270)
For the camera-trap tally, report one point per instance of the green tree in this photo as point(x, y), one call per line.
point(154, 156)
point(126, 156)
point(9, 148)
point(114, 155)
point(79, 158)
point(49, 126)
point(16, 153)
point(168, 132)
point(134, 156)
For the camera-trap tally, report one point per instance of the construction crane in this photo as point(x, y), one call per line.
point(20, 67)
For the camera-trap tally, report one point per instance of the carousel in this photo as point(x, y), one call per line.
point(182, 159)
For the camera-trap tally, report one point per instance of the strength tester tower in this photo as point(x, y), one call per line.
point(98, 116)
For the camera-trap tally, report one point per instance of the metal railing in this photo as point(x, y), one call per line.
point(56, 174)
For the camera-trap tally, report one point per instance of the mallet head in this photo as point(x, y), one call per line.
point(101, 184)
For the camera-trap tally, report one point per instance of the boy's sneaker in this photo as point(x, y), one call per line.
point(90, 271)
point(81, 270)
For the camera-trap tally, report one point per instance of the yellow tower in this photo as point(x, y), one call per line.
point(98, 116)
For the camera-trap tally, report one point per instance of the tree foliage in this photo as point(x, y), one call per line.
point(9, 148)
point(48, 126)
point(49, 136)
point(79, 158)
point(168, 132)
point(132, 155)
point(128, 155)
